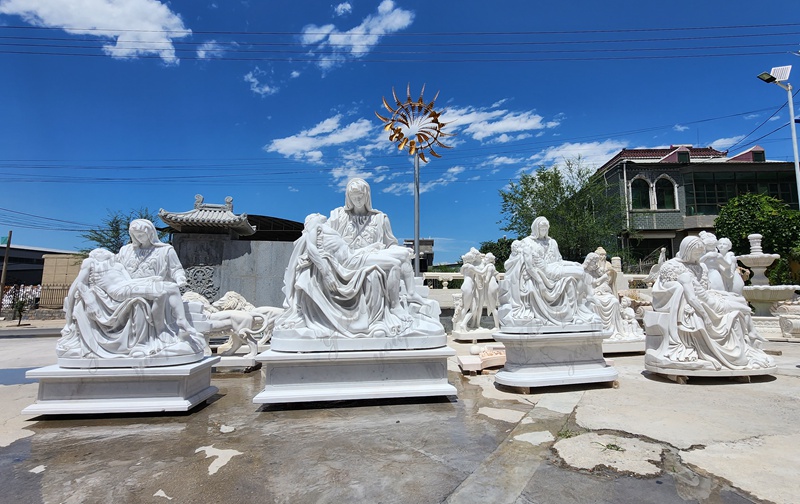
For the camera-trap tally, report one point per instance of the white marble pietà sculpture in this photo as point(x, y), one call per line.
point(542, 288)
point(128, 344)
point(357, 324)
point(126, 309)
point(348, 279)
point(696, 330)
point(607, 304)
point(547, 324)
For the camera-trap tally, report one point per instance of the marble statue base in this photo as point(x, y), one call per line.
point(681, 371)
point(623, 346)
point(369, 374)
point(235, 364)
point(129, 362)
point(769, 328)
point(491, 355)
point(64, 391)
point(289, 340)
point(548, 358)
point(480, 334)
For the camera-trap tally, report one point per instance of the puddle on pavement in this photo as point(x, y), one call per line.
point(15, 376)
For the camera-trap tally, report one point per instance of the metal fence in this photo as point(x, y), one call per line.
point(52, 296)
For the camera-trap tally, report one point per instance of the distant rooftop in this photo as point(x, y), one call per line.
point(684, 154)
point(34, 249)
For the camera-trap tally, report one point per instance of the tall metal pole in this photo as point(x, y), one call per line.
point(416, 214)
point(794, 139)
point(5, 267)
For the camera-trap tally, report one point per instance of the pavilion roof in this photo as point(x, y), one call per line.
point(208, 218)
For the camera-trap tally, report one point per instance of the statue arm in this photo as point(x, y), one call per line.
point(78, 286)
point(686, 279)
point(388, 236)
point(176, 271)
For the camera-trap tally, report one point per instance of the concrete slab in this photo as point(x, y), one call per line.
point(723, 442)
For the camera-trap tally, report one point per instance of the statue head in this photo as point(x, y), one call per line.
point(625, 301)
point(490, 258)
point(601, 252)
point(314, 218)
point(724, 245)
point(144, 234)
point(540, 227)
point(101, 254)
point(358, 197)
point(709, 240)
point(691, 250)
point(591, 261)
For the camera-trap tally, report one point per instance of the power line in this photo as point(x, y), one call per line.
point(406, 34)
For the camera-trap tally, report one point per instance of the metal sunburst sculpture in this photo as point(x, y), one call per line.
point(415, 125)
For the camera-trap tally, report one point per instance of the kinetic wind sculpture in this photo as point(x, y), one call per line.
point(415, 126)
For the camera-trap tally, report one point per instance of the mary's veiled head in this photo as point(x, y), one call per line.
point(358, 196)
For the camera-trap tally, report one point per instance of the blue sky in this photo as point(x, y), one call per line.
point(139, 103)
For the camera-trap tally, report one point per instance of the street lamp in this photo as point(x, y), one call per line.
point(779, 75)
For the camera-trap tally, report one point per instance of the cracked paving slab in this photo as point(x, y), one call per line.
point(743, 462)
point(626, 455)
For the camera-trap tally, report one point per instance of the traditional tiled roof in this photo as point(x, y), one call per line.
point(208, 218)
point(664, 155)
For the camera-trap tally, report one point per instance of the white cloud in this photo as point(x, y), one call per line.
point(591, 153)
point(750, 117)
point(680, 127)
point(210, 49)
point(724, 143)
point(293, 189)
point(501, 161)
point(492, 125)
point(136, 27)
point(336, 47)
point(306, 145)
point(774, 118)
point(343, 8)
point(295, 74)
point(401, 188)
point(498, 103)
point(256, 86)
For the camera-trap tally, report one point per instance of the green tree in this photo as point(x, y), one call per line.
point(584, 212)
point(501, 250)
point(770, 217)
point(113, 233)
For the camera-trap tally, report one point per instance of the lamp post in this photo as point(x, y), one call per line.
point(416, 127)
point(779, 75)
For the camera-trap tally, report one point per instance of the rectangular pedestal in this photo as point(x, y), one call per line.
point(542, 360)
point(64, 391)
point(333, 376)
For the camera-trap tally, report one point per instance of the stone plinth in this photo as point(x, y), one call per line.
point(554, 356)
point(294, 340)
point(481, 334)
point(64, 391)
point(367, 374)
point(622, 346)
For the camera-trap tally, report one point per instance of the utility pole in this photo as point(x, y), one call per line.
point(5, 267)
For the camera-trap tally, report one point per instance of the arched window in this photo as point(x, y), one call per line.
point(640, 194)
point(665, 194)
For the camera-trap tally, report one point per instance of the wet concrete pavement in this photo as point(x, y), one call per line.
point(648, 441)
